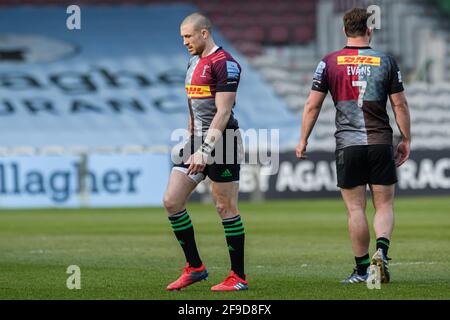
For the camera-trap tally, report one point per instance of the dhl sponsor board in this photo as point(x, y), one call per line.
point(374, 61)
point(198, 91)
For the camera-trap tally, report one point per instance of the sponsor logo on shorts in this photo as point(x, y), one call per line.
point(374, 61)
point(226, 174)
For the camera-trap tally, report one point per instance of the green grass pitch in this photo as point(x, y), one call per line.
point(295, 250)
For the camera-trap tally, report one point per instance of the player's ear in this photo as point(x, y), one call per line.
point(205, 34)
point(343, 30)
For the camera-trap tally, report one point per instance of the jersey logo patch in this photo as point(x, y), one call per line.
point(198, 91)
point(232, 70)
point(373, 61)
point(205, 67)
point(319, 70)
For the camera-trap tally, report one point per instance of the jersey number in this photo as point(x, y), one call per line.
point(362, 89)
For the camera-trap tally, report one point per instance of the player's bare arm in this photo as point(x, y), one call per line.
point(224, 104)
point(403, 120)
point(310, 114)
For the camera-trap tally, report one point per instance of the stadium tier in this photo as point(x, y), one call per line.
point(116, 87)
point(117, 82)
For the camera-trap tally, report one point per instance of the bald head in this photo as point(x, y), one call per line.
point(198, 21)
point(196, 33)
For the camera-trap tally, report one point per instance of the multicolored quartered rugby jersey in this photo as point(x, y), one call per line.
point(216, 72)
point(360, 80)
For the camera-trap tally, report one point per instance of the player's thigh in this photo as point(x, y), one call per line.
point(382, 196)
point(178, 190)
point(352, 167)
point(181, 185)
point(382, 169)
point(225, 195)
point(354, 199)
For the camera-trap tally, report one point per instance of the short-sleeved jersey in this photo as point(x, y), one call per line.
point(359, 80)
point(216, 72)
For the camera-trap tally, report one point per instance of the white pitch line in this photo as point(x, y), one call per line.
point(39, 251)
point(412, 263)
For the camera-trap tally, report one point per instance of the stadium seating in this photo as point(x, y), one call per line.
point(279, 23)
point(283, 40)
point(123, 86)
point(289, 69)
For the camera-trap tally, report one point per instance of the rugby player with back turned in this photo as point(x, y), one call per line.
point(360, 80)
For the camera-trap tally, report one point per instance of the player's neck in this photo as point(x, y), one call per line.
point(209, 48)
point(358, 42)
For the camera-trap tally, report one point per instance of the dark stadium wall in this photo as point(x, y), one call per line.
point(425, 173)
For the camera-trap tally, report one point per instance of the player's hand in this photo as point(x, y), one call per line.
point(402, 152)
point(300, 150)
point(196, 162)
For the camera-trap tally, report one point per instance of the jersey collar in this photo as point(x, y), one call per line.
point(213, 50)
point(355, 47)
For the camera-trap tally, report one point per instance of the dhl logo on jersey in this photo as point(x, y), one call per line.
point(198, 91)
point(373, 61)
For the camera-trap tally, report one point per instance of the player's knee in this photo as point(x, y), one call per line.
point(226, 211)
point(384, 208)
point(356, 212)
point(222, 209)
point(171, 204)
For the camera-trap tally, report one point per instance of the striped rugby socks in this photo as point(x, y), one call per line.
point(362, 263)
point(184, 232)
point(235, 236)
point(383, 244)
